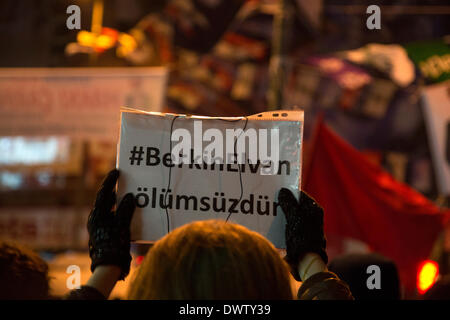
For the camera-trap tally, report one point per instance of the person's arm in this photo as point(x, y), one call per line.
point(109, 241)
point(99, 285)
point(318, 282)
point(304, 232)
point(104, 279)
point(310, 264)
point(306, 249)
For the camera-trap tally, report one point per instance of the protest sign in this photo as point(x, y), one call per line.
point(437, 114)
point(187, 168)
point(75, 102)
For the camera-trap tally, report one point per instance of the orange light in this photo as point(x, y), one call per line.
point(427, 275)
point(127, 45)
point(100, 42)
point(104, 42)
point(112, 33)
point(86, 38)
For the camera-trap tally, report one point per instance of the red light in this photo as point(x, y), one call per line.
point(427, 275)
point(139, 260)
point(112, 33)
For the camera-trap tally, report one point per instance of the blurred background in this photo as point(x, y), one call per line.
point(384, 91)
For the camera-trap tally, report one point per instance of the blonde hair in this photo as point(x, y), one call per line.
point(212, 260)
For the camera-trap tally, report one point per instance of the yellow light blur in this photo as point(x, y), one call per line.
point(127, 45)
point(427, 276)
point(86, 38)
point(104, 42)
point(97, 16)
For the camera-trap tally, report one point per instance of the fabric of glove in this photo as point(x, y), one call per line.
point(304, 228)
point(109, 231)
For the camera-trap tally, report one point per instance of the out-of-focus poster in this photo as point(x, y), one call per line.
point(40, 228)
point(437, 114)
point(76, 102)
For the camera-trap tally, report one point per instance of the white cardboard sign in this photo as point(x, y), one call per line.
point(241, 192)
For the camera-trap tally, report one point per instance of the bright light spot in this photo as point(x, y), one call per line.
point(139, 260)
point(104, 42)
point(33, 151)
point(427, 275)
point(11, 180)
point(86, 38)
point(44, 178)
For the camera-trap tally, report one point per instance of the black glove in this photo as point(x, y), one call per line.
point(109, 232)
point(304, 228)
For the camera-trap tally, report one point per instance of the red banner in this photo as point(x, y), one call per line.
point(364, 202)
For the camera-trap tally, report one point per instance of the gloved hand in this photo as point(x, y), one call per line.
point(109, 231)
point(304, 228)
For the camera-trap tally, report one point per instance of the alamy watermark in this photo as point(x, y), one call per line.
point(374, 20)
point(74, 20)
point(374, 280)
point(263, 146)
point(73, 281)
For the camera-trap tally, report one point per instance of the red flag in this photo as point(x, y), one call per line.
point(364, 202)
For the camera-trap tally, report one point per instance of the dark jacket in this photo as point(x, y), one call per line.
point(320, 286)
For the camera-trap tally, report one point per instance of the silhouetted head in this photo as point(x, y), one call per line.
point(212, 260)
point(370, 276)
point(23, 274)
